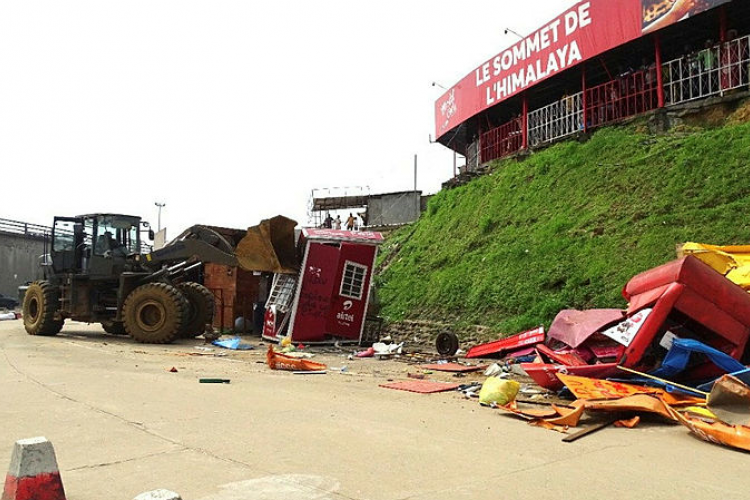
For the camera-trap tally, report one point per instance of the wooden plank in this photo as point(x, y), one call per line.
point(589, 430)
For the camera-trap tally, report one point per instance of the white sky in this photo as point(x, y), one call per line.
point(230, 111)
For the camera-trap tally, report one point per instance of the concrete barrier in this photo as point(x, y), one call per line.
point(33, 472)
point(159, 495)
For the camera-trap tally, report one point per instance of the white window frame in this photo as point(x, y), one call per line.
point(355, 266)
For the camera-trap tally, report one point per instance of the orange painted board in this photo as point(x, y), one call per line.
point(595, 389)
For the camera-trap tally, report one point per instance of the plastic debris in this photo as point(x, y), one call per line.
point(7, 316)
point(367, 353)
point(501, 392)
point(234, 344)
point(277, 361)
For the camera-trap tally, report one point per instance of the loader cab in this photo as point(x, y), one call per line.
point(97, 245)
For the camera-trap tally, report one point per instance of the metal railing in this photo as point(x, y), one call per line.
point(709, 72)
point(24, 228)
point(502, 141)
point(557, 120)
point(624, 97)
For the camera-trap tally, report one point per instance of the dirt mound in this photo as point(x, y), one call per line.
point(741, 114)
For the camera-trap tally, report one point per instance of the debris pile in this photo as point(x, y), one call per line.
point(676, 354)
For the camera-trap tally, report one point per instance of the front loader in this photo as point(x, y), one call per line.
point(95, 272)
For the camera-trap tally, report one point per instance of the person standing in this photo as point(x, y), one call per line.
point(337, 222)
point(350, 223)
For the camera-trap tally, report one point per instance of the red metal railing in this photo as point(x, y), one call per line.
point(502, 141)
point(712, 71)
point(626, 96)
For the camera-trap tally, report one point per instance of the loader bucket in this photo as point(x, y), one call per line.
point(269, 247)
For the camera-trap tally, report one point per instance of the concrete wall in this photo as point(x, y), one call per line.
point(393, 208)
point(19, 261)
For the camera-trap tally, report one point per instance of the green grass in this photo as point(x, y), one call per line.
point(567, 227)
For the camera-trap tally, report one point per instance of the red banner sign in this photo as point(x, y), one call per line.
point(586, 30)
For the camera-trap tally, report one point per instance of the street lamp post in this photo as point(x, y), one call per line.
point(160, 205)
point(508, 30)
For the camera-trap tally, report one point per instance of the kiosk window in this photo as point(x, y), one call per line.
point(353, 282)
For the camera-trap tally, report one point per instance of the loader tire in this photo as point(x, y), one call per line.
point(39, 307)
point(114, 327)
point(155, 313)
point(201, 310)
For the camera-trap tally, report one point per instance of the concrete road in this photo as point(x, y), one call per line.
point(121, 424)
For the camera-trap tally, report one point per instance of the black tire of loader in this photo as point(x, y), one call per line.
point(39, 306)
point(155, 313)
point(115, 328)
point(201, 311)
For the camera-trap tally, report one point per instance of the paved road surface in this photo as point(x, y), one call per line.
point(121, 424)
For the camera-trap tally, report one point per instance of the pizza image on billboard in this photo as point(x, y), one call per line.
point(658, 14)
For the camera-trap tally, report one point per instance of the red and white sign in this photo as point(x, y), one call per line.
point(586, 30)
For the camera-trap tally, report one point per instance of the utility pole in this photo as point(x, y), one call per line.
point(160, 205)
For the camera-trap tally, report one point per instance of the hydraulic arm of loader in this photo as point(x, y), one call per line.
point(197, 243)
point(267, 247)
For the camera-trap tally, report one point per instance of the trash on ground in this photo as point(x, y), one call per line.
point(382, 349)
point(214, 380)
point(630, 423)
point(573, 327)
point(498, 391)
point(508, 345)
point(453, 367)
point(234, 344)
point(420, 386)
point(446, 344)
point(277, 361)
point(316, 372)
point(367, 353)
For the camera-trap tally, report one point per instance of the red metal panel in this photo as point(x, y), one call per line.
point(314, 301)
point(347, 314)
point(529, 338)
point(700, 278)
point(714, 318)
point(585, 31)
point(635, 351)
point(700, 293)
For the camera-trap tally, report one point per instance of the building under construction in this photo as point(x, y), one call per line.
point(369, 210)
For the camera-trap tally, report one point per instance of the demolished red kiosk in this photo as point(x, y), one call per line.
point(328, 300)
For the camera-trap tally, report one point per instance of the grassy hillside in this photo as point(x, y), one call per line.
point(567, 227)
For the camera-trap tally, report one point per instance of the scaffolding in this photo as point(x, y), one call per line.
point(328, 201)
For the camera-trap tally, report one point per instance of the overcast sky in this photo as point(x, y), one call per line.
point(230, 111)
